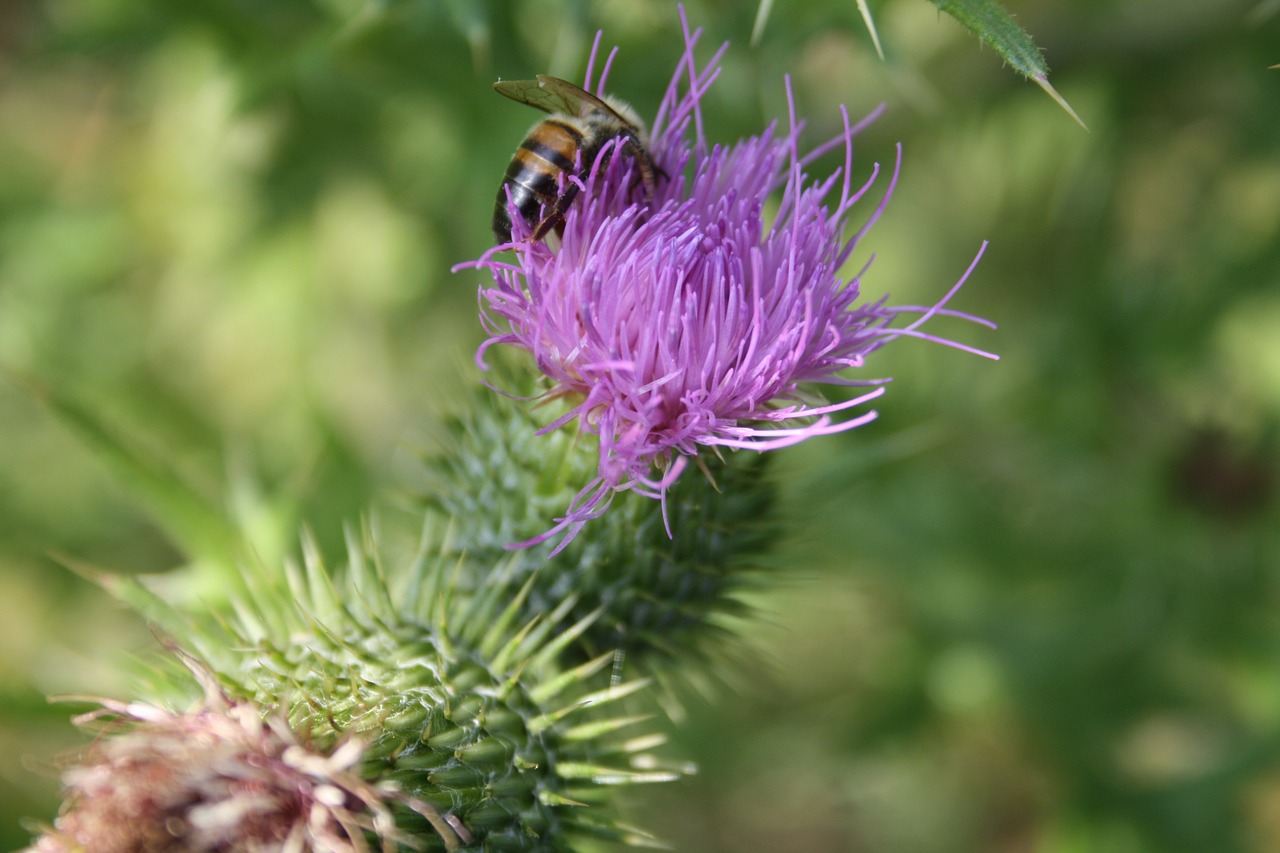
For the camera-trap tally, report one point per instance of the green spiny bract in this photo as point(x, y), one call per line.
point(458, 697)
point(500, 483)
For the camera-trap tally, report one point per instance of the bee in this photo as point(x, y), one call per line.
point(580, 127)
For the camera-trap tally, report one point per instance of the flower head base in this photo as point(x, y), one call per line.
point(694, 319)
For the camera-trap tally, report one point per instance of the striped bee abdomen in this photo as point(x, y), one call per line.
point(533, 178)
point(567, 143)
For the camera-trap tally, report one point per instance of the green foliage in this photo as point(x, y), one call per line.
point(995, 27)
point(986, 19)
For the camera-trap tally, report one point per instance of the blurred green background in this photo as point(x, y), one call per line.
point(1034, 607)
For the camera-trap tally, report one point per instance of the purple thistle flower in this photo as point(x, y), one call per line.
point(695, 318)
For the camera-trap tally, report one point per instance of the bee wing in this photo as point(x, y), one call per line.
point(555, 96)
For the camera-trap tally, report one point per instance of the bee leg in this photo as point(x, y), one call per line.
point(554, 217)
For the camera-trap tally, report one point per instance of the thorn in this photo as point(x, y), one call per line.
point(762, 15)
point(93, 574)
point(871, 27)
point(1043, 83)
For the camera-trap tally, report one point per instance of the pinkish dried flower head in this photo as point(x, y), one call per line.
point(700, 313)
point(216, 780)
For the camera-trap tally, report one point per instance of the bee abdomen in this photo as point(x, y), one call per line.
point(534, 149)
point(532, 178)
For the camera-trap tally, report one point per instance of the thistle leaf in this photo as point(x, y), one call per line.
point(995, 27)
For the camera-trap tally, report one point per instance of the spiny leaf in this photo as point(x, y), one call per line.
point(995, 27)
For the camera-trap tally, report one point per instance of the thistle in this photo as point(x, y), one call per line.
point(661, 597)
point(455, 694)
point(446, 718)
point(699, 316)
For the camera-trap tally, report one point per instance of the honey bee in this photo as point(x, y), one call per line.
point(580, 127)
